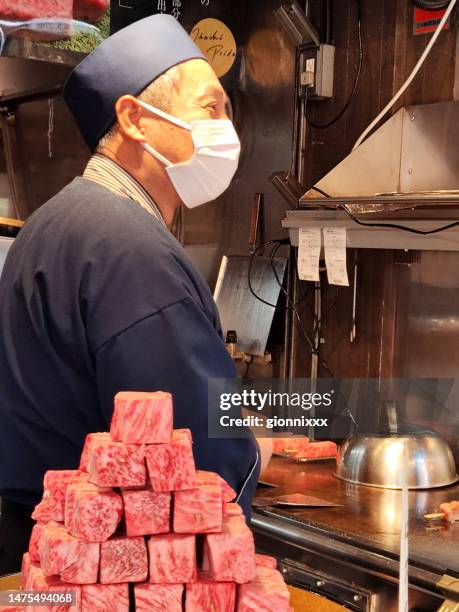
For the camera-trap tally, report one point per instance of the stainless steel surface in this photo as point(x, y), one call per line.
point(328, 585)
point(377, 461)
point(415, 150)
point(380, 238)
point(297, 24)
point(239, 309)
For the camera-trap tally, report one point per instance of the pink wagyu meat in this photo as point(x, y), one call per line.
point(142, 418)
point(123, 560)
point(158, 597)
point(265, 561)
point(290, 445)
point(25, 569)
point(267, 593)
point(171, 466)
point(32, 9)
point(199, 510)
point(63, 555)
point(51, 507)
point(232, 510)
point(90, 10)
point(172, 558)
point(114, 464)
point(90, 438)
point(34, 543)
point(451, 511)
point(317, 450)
point(37, 581)
point(105, 598)
point(206, 595)
point(146, 512)
point(230, 555)
point(94, 514)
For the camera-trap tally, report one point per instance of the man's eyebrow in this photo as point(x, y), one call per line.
point(215, 92)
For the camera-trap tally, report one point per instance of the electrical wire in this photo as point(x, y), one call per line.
point(323, 126)
point(411, 230)
point(291, 306)
point(409, 80)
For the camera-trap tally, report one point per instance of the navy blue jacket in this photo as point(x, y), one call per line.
point(97, 296)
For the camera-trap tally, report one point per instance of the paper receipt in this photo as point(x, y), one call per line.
point(309, 243)
point(335, 255)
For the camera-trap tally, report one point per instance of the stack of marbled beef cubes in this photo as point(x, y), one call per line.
point(138, 527)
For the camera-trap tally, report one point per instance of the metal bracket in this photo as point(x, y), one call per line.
point(449, 586)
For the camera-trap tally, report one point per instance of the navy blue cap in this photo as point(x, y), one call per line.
point(125, 63)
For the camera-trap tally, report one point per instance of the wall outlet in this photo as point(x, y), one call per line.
point(319, 71)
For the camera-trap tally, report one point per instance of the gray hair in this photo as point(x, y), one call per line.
point(158, 94)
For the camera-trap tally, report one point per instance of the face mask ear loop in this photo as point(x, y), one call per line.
point(166, 116)
point(155, 153)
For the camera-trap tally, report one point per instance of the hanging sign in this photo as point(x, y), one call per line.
point(427, 21)
point(216, 40)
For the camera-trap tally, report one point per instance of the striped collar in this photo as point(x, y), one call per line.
point(109, 174)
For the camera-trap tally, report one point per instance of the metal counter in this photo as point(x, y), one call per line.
point(357, 543)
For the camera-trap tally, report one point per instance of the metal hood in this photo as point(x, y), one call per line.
point(415, 153)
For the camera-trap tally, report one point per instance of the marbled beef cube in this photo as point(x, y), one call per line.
point(228, 493)
point(265, 561)
point(158, 597)
point(34, 543)
point(45, 511)
point(172, 558)
point(105, 598)
point(267, 593)
point(90, 438)
point(205, 594)
point(94, 514)
point(232, 510)
point(63, 555)
point(23, 10)
point(40, 582)
point(90, 10)
point(57, 549)
point(123, 560)
point(55, 481)
point(230, 555)
point(25, 569)
point(114, 464)
point(171, 466)
point(146, 512)
point(199, 510)
point(73, 487)
point(51, 507)
point(142, 418)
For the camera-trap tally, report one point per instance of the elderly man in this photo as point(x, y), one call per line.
point(96, 294)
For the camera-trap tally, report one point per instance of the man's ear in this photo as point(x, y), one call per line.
point(129, 115)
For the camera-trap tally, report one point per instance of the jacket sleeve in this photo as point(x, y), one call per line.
point(178, 350)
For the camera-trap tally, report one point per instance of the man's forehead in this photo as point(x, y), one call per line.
point(199, 75)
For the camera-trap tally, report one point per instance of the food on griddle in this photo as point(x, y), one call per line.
point(290, 445)
point(317, 450)
point(450, 511)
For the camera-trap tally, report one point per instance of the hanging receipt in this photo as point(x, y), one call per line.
point(335, 255)
point(309, 243)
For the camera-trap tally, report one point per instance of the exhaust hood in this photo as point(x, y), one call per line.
point(405, 173)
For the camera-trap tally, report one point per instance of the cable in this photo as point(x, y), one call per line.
point(323, 126)
point(389, 225)
point(314, 348)
point(409, 80)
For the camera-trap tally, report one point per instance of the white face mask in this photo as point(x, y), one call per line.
point(208, 173)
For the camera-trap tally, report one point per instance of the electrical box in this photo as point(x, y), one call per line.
point(318, 72)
